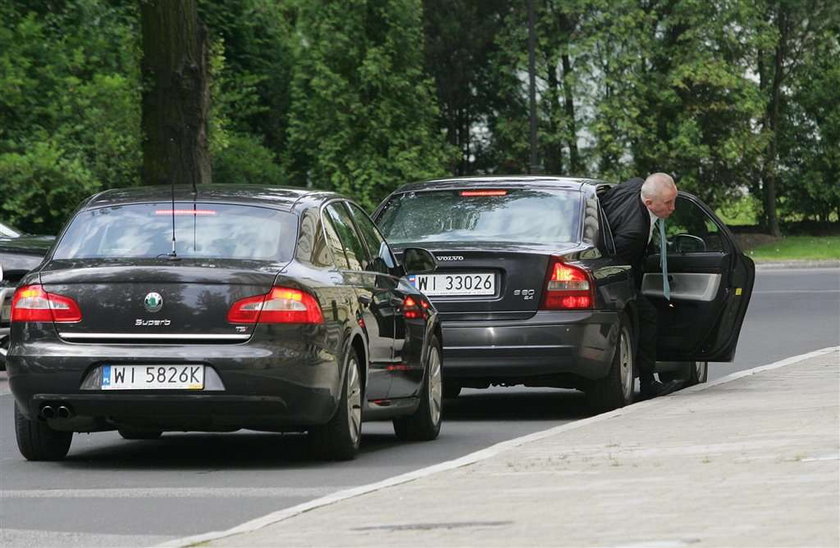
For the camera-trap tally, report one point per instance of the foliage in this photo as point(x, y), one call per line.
point(362, 113)
point(363, 95)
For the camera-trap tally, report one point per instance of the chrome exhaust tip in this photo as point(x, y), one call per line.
point(64, 412)
point(47, 411)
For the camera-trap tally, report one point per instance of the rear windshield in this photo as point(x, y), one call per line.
point(511, 215)
point(202, 230)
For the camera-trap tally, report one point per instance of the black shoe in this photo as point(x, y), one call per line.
point(655, 389)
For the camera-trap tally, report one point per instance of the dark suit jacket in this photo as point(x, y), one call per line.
point(630, 223)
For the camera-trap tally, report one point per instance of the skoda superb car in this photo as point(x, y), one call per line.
point(529, 290)
point(226, 308)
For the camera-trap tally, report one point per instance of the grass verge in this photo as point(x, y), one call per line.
point(798, 248)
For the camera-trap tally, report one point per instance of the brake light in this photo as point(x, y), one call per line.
point(412, 310)
point(567, 287)
point(31, 303)
point(280, 305)
point(469, 193)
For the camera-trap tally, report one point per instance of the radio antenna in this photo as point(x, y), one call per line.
point(172, 254)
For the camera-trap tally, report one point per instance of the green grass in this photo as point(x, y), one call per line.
point(798, 248)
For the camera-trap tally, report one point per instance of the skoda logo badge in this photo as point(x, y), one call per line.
point(153, 302)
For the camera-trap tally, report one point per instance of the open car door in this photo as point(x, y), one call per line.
point(711, 283)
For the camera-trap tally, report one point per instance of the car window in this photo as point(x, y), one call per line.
point(334, 242)
point(204, 230)
point(499, 215)
point(354, 249)
point(689, 229)
point(312, 246)
point(379, 254)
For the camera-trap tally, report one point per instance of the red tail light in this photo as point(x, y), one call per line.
point(32, 304)
point(567, 287)
point(280, 305)
point(412, 310)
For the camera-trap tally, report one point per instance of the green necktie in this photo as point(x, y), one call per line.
point(663, 259)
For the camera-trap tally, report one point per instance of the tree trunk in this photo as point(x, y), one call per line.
point(553, 147)
point(176, 93)
point(569, 105)
point(772, 124)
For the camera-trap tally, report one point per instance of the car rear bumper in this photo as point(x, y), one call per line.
point(253, 386)
point(550, 343)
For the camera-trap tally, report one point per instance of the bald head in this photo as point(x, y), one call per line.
point(659, 194)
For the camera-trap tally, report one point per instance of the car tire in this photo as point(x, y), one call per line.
point(128, 434)
point(339, 439)
point(424, 424)
point(695, 372)
point(616, 389)
point(37, 441)
point(451, 389)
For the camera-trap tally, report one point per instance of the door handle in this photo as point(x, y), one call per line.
point(364, 300)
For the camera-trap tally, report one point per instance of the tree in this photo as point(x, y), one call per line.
point(176, 95)
point(363, 112)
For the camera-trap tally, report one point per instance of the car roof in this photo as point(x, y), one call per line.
point(507, 181)
point(272, 196)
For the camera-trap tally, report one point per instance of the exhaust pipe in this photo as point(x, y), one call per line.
point(47, 411)
point(64, 412)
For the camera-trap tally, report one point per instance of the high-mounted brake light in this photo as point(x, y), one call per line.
point(567, 287)
point(185, 212)
point(468, 193)
point(31, 303)
point(280, 305)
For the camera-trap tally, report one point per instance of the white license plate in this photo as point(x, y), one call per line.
point(477, 283)
point(152, 377)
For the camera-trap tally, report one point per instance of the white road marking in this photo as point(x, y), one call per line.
point(483, 454)
point(169, 492)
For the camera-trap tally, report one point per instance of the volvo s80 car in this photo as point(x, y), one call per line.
point(218, 309)
point(529, 290)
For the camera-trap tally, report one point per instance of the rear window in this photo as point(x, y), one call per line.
point(504, 215)
point(202, 230)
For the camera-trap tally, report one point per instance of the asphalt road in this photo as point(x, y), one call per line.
point(112, 492)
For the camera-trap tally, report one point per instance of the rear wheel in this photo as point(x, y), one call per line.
point(424, 424)
point(339, 439)
point(691, 373)
point(616, 389)
point(37, 441)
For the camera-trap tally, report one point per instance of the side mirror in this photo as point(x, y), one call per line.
point(417, 260)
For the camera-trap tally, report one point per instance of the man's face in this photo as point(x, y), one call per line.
point(664, 204)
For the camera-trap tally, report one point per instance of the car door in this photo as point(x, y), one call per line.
point(711, 283)
point(407, 369)
point(376, 309)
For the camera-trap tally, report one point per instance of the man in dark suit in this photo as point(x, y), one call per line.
point(632, 208)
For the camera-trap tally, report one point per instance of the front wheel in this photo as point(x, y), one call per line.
point(339, 439)
point(424, 424)
point(37, 441)
point(616, 389)
point(691, 373)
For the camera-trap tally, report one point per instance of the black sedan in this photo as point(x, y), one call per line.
point(226, 308)
point(19, 253)
point(530, 292)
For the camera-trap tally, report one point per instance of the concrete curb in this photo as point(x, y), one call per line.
point(471, 458)
point(786, 265)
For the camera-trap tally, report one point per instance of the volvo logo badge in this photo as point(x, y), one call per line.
point(153, 302)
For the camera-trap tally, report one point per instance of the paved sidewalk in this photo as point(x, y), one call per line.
point(753, 461)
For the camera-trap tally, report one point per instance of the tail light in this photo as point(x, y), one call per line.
point(567, 287)
point(31, 303)
point(280, 305)
point(413, 310)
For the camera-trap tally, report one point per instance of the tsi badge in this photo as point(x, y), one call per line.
point(153, 302)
